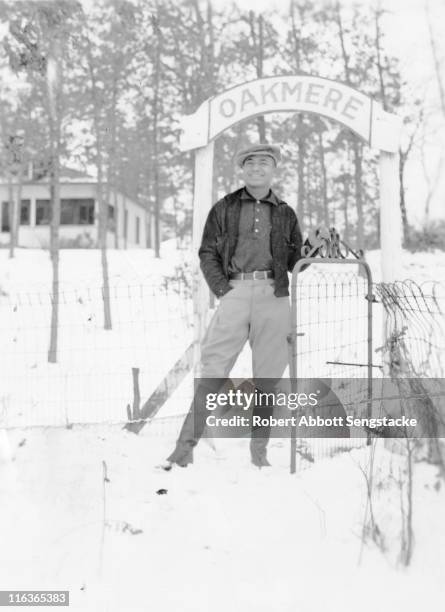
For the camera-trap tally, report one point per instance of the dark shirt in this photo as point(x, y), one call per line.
point(253, 247)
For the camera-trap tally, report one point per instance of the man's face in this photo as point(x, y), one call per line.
point(258, 171)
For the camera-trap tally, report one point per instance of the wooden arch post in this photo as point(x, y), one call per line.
point(390, 216)
point(293, 93)
point(202, 199)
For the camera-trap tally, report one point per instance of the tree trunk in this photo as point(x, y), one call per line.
point(116, 219)
point(345, 209)
point(53, 89)
point(175, 223)
point(156, 161)
point(111, 173)
point(15, 195)
point(300, 168)
point(102, 205)
point(405, 225)
point(403, 155)
point(148, 241)
point(379, 58)
point(11, 213)
point(54, 253)
point(125, 221)
point(358, 184)
point(18, 203)
point(324, 181)
point(301, 196)
point(437, 67)
point(102, 234)
point(356, 147)
point(261, 119)
point(258, 56)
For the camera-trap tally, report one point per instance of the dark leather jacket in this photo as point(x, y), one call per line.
point(221, 234)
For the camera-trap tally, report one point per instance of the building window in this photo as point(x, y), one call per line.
point(67, 212)
point(110, 220)
point(138, 229)
point(86, 212)
point(43, 212)
point(5, 216)
point(25, 212)
point(73, 211)
point(77, 211)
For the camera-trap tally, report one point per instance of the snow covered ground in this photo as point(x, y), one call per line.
point(83, 508)
point(220, 535)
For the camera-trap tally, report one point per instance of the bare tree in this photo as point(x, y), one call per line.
point(431, 177)
point(437, 64)
point(39, 35)
point(257, 37)
point(111, 173)
point(54, 88)
point(324, 176)
point(432, 181)
point(403, 153)
point(156, 110)
point(301, 130)
point(357, 146)
point(97, 106)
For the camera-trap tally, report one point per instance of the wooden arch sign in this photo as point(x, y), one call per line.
point(311, 94)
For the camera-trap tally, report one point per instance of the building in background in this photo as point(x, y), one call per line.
point(127, 220)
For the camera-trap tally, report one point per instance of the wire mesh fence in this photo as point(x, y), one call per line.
point(415, 327)
point(152, 327)
point(333, 330)
point(92, 379)
point(332, 322)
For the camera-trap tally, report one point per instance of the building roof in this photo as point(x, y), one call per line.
point(67, 175)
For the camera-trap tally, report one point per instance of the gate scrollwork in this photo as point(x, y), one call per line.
point(326, 244)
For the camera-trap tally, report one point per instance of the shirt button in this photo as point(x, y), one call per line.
point(257, 219)
point(256, 230)
point(257, 201)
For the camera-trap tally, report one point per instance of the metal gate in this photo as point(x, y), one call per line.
point(331, 309)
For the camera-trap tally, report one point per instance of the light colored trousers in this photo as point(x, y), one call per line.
point(249, 312)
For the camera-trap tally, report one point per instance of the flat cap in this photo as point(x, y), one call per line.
point(259, 149)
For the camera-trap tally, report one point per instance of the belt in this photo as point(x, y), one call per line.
point(256, 275)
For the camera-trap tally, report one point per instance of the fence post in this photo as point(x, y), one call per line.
point(134, 413)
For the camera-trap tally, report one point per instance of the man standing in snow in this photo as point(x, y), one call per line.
point(251, 241)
